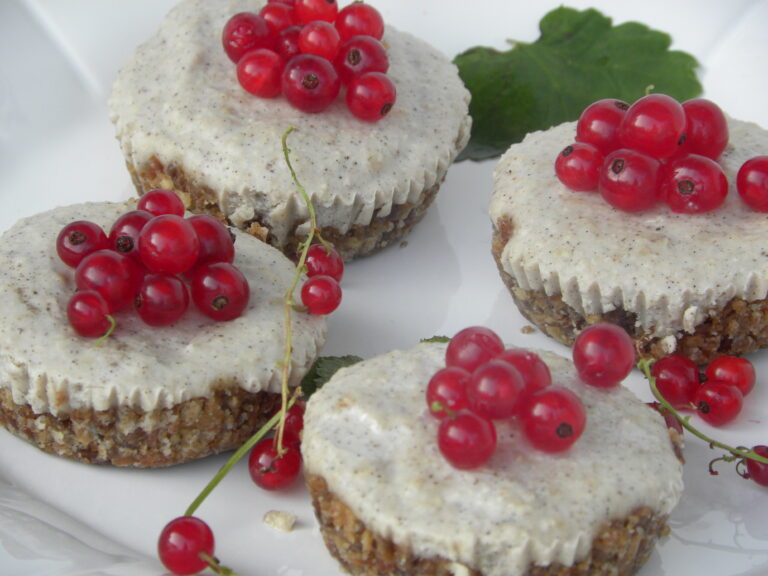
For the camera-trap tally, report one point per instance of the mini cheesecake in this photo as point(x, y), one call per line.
point(144, 396)
point(184, 122)
point(691, 284)
point(389, 503)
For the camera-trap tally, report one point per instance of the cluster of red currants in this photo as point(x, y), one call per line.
point(483, 382)
point(307, 50)
point(657, 150)
point(153, 259)
point(718, 398)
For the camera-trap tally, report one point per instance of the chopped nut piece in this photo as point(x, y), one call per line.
point(280, 520)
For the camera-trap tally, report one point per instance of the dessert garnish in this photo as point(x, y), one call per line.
point(186, 544)
point(657, 150)
point(579, 57)
point(307, 50)
point(483, 382)
point(719, 404)
point(155, 261)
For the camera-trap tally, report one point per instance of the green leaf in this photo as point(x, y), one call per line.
point(322, 370)
point(580, 57)
point(437, 339)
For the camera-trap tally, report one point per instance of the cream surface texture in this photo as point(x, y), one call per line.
point(369, 434)
point(48, 366)
point(671, 270)
point(178, 99)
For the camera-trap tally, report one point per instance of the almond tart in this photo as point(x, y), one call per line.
point(691, 284)
point(145, 396)
point(184, 122)
point(389, 503)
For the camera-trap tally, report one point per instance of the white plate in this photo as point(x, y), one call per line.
point(57, 62)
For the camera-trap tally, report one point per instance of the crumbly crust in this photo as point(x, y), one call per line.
point(131, 437)
point(359, 240)
point(620, 548)
point(735, 328)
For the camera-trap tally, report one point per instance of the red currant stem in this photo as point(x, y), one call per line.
point(234, 459)
point(288, 302)
point(739, 452)
point(217, 568)
point(108, 333)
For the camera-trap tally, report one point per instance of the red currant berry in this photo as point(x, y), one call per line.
point(287, 43)
point(310, 83)
point(706, 128)
point(599, 122)
point(181, 543)
point(752, 183)
point(321, 294)
point(220, 291)
point(115, 276)
point(578, 167)
point(124, 234)
point(325, 260)
point(288, 2)
point(629, 180)
point(217, 244)
point(532, 368)
point(162, 299)
point(677, 379)
point(159, 202)
point(360, 54)
point(260, 72)
point(473, 346)
point(553, 419)
point(169, 244)
point(692, 184)
point(278, 17)
point(358, 19)
point(718, 402)
point(466, 440)
point(320, 38)
point(495, 390)
point(270, 470)
point(310, 10)
point(653, 125)
point(758, 471)
point(371, 96)
point(734, 370)
point(603, 355)
point(89, 314)
point(447, 391)
point(78, 239)
point(294, 424)
point(243, 32)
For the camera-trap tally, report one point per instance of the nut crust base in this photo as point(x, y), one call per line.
point(739, 327)
point(131, 437)
point(359, 240)
point(620, 548)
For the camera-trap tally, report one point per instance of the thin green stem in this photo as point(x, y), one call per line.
point(288, 302)
point(234, 459)
point(685, 421)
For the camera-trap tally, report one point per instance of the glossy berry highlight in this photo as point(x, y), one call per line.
point(603, 354)
point(466, 440)
point(271, 470)
point(553, 419)
point(181, 544)
point(472, 347)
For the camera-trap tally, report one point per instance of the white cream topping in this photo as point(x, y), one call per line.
point(672, 270)
point(179, 99)
point(49, 367)
point(369, 434)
